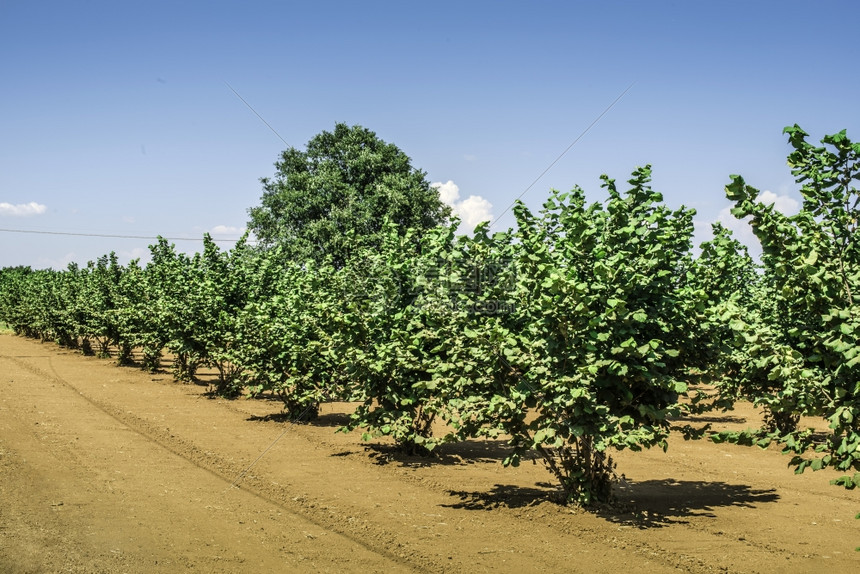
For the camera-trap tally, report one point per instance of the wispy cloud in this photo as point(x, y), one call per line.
point(59, 263)
point(22, 209)
point(226, 232)
point(471, 211)
point(141, 253)
point(783, 203)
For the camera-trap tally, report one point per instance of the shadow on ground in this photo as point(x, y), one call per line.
point(646, 504)
point(465, 452)
point(716, 419)
point(325, 420)
point(505, 495)
point(658, 503)
point(334, 419)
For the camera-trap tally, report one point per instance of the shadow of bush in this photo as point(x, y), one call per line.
point(658, 503)
point(505, 495)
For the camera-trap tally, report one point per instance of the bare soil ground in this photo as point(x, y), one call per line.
point(110, 469)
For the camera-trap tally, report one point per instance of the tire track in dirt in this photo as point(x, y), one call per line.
point(209, 463)
point(319, 513)
point(725, 526)
point(408, 551)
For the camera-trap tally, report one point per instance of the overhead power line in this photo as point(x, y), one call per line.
point(262, 119)
point(113, 236)
point(567, 149)
point(150, 237)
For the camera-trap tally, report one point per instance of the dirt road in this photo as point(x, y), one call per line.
point(109, 469)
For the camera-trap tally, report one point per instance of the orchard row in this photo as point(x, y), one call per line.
point(588, 328)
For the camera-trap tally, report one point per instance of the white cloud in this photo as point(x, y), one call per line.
point(782, 203)
point(449, 192)
point(740, 228)
point(142, 253)
point(702, 231)
point(22, 209)
point(226, 232)
point(474, 209)
point(59, 264)
point(471, 211)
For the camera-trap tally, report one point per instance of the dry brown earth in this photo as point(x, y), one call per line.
point(109, 469)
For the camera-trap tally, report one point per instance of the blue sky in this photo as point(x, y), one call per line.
point(116, 117)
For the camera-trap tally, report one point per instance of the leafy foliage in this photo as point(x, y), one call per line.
point(285, 335)
point(333, 198)
point(393, 335)
point(592, 357)
point(568, 335)
point(584, 331)
point(807, 341)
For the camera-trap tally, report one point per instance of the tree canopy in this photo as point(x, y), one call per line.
point(335, 197)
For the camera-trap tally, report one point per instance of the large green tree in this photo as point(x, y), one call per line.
point(335, 197)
